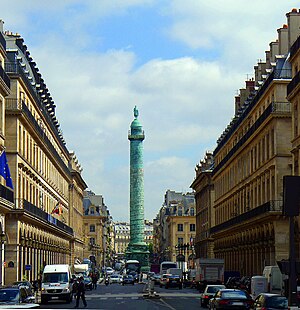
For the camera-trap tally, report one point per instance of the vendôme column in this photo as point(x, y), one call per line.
point(137, 248)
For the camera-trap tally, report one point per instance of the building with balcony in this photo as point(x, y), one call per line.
point(47, 182)
point(95, 230)
point(205, 215)
point(251, 158)
point(174, 229)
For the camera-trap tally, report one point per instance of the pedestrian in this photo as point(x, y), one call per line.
point(94, 281)
point(80, 293)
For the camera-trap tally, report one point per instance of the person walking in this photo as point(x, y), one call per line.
point(94, 280)
point(80, 293)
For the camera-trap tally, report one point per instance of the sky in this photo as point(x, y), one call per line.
point(181, 62)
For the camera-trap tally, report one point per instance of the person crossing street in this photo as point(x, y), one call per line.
point(80, 293)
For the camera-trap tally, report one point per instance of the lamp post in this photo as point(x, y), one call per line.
point(3, 240)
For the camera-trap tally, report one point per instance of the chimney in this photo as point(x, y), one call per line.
point(283, 35)
point(237, 103)
point(274, 50)
point(293, 19)
point(250, 85)
point(1, 25)
point(268, 59)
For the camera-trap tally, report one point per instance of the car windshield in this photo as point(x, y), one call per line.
point(9, 295)
point(277, 302)
point(234, 294)
point(214, 289)
point(55, 277)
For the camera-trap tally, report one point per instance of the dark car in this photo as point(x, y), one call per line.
point(269, 301)
point(231, 299)
point(88, 283)
point(209, 292)
point(135, 275)
point(156, 278)
point(173, 281)
point(128, 279)
point(16, 295)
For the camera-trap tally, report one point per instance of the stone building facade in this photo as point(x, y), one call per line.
point(251, 158)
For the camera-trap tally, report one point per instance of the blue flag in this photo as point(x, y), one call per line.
point(4, 170)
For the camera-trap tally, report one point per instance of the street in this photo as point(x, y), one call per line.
point(130, 297)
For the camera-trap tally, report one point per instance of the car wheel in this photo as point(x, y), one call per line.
point(160, 285)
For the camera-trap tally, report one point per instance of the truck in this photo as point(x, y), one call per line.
point(275, 279)
point(175, 271)
point(57, 283)
point(81, 269)
point(208, 271)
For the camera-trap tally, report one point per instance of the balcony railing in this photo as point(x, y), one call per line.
point(6, 193)
point(39, 213)
point(15, 68)
point(274, 108)
point(4, 76)
point(14, 104)
point(294, 82)
point(2, 41)
point(265, 209)
point(275, 74)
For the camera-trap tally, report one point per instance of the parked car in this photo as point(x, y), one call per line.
point(115, 278)
point(109, 271)
point(267, 301)
point(24, 283)
point(208, 293)
point(173, 280)
point(156, 278)
point(163, 279)
point(128, 279)
point(88, 283)
point(135, 276)
point(230, 299)
point(16, 296)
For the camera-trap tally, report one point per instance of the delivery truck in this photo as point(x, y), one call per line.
point(208, 271)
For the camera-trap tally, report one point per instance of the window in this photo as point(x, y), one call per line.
point(92, 228)
point(180, 240)
point(180, 211)
point(92, 241)
point(192, 227)
point(179, 227)
point(92, 211)
point(192, 212)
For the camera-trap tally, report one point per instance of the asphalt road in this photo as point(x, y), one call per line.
point(131, 297)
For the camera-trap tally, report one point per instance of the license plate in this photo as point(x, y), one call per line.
point(54, 297)
point(237, 303)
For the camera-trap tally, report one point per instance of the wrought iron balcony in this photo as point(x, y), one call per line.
point(274, 75)
point(13, 105)
point(274, 108)
point(2, 41)
point(14, 68)
point(4, 76)
point(273, 206)
point(293, 84)
point(6, 193)
point(39, 213)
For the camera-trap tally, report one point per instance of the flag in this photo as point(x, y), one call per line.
point(57, 209)
point(4, 170)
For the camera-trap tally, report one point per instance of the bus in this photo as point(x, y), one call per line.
point(164, 266)
point(132, 265)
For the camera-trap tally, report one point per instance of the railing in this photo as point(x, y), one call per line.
point(4, 76)
point(269, 207)
point(294, 48)
point(15, 104)
point(6, 193)
point(273, 108)
point(293, 84)
point(2, 41)
point(39, 213)
point(15, 68)
point(275, 74)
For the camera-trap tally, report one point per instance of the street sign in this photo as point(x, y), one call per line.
point(27, 267)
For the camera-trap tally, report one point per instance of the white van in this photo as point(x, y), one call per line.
point(57, 283)
point(274, 279)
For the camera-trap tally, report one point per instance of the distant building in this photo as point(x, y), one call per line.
point(96, 228)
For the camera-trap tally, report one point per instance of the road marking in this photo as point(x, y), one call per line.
point(167, 305)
